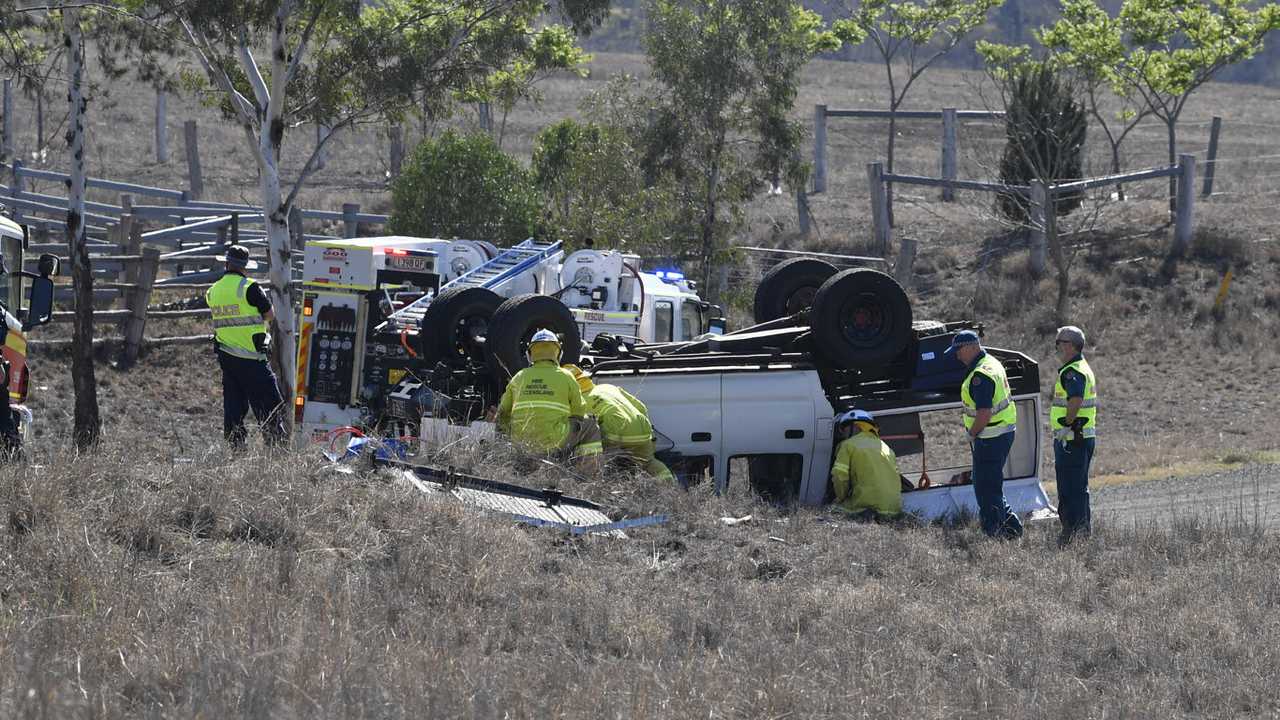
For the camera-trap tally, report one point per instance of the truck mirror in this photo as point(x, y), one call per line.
point(41, 309)
point(48, 265)
point(716, 326)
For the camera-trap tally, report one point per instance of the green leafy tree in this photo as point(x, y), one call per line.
point(727, 72)
point(1160, 51)
point(591, 180)
point(909, 37)
point(337, 63)
point(464, 187)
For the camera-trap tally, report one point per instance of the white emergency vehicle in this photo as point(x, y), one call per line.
point(382, 318)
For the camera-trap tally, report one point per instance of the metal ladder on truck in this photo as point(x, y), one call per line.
point(508, 265)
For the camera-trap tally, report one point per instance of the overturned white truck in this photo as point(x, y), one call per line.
point(755, 406)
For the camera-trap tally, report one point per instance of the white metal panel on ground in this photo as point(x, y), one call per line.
point(1025, 496)
point(575, 518)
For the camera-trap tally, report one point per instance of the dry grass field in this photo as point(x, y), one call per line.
point(272, 588)
point(162, 577)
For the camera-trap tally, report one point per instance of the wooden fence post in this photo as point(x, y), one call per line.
point(1211, 161)
point(8, 118)
point(396, 133)
point(948, 152)
point(131, 244)
point(1039, 230)
point(194, 178)
point(139, 297)
point(351, 227)
point(802, 212)
point(879, 207)
point(15, 184)
point(819, 148)
point(906, 260)
point(1183, 219)
point(162, 127)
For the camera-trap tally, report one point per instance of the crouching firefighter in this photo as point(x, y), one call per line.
point(241, 312)
point(543, 410)
point(624, 422)
point(865, 474)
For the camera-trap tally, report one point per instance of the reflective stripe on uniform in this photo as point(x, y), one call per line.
point(241, 352)
point(591, 448)
point(996, 431)
point(995, 409)
point(543, 404)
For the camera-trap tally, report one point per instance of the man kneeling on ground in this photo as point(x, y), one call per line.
point(865, 472)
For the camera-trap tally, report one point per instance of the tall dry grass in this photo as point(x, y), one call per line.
point(273, 587)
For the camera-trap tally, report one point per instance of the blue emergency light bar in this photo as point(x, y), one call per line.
point(669, 275)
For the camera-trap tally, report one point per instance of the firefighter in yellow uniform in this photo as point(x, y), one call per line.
point(624, 423)
point(542, 407)
point(865, 474)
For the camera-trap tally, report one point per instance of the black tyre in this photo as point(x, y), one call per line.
point(490, 250)
point(861, 318)
point(455, 324)
point(516, 320)
point(789, 287)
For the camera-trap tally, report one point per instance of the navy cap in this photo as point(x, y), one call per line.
point(962, 338)
point(237, 256)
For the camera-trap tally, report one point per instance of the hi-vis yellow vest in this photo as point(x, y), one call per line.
point(1088, 409)
point(1003, 413)
point(235, 320)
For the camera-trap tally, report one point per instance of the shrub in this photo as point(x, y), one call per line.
point(464, 186)
point(1046, 129)
point(593, 187)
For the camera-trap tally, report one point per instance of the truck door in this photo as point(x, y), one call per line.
point(684, 409)
point(770, 428)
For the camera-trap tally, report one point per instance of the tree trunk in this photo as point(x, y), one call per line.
point(39, 118)
point(276, 214)
point(1115, 167)
point(1063, 305)
point(88, 426)
point(1171, 124)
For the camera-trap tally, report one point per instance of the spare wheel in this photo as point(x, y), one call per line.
point(789, 287)
point(455, 324)
point(516, 320)
point(861, 318)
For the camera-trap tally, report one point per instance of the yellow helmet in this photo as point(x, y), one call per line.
point(544, 345)
point(584, 380)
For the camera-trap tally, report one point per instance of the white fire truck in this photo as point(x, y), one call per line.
point(383, 318)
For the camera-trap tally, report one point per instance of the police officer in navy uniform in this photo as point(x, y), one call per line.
point(241, 315)
point(1073, 418)
point(990, 419)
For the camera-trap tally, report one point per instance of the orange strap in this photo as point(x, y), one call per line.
point(404, 342)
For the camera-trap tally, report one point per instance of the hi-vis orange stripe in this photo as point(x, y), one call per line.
point(304, 351)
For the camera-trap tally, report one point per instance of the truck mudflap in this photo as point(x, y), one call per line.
point(1026, 497)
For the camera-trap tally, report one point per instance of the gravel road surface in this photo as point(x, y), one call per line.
point(1250, 494)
